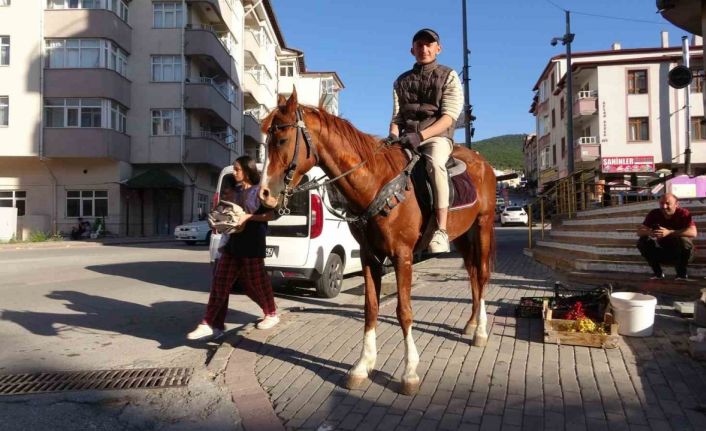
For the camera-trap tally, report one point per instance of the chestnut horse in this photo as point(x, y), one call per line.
point(300, 137)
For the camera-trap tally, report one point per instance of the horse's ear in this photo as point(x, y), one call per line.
point(281, 100)
point(292, 102)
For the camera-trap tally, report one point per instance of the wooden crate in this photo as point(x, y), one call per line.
point(554, 334)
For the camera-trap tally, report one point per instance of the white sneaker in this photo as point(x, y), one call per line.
point(204, 332)
point(439, 242)
point(268, 322)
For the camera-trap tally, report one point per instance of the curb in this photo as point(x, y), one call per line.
point(81, 244)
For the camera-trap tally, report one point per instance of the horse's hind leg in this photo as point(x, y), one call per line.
point(463, 244)
point(485, 244)
point(403, 272)
point(372, 272)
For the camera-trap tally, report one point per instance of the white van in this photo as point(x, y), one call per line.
point(310, 244)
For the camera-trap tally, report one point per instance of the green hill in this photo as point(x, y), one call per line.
point(503, 152)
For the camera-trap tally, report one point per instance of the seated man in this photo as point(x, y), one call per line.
point(78, 232)
point(666, 237)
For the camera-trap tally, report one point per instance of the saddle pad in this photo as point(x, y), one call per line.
point(464, 191)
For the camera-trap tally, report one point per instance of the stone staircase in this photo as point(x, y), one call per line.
point(599, 246)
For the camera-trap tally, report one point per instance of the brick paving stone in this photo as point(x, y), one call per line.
point(515, 381)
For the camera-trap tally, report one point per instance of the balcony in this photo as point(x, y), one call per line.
point(87, 23)
point(587, 149)
point(259, 85)
point(203, 40)
point(207, 148)
point(103, 83)
point(586, 103)
point(202, 95)
point(86, 143)
point(251, 127)
point(255, 50)
point(210, 8)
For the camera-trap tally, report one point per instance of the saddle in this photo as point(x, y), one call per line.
point(462, 192)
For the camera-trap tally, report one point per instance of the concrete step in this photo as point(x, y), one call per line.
point(606, 252)
point(635, 209)
point(610, 223)
point(627, 234)
point(633, 267)
point(604, 242)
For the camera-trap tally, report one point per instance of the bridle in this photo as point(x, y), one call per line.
point(316, 183)
point(292, 167)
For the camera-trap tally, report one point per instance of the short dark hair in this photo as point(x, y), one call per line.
point(249, 168)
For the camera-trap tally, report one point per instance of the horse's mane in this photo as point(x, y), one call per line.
point(362, 143)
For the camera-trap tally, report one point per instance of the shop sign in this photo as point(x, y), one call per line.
point(627, 164)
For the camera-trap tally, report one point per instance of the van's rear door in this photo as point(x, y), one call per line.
point(288, 235)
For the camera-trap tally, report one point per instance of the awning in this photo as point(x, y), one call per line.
point(154, 179)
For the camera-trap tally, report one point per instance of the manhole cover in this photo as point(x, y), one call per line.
point(19, 384)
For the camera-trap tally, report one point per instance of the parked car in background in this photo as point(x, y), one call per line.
point(513, 215)
point(310, 245)
point(194, 232)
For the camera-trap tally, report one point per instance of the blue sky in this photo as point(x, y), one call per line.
point(367, 43)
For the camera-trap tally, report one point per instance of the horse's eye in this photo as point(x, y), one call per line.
point(282, 141)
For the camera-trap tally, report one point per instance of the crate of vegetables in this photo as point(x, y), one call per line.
point(577, 329)
point(532, 306)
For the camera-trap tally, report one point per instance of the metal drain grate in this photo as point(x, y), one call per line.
point(20, 384)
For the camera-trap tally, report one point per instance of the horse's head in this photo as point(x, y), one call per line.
point(290, 151)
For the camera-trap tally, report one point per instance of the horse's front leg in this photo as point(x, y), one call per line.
point(403, 272)
point(372, 272)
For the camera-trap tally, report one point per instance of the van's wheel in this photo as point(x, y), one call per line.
point(329, 284)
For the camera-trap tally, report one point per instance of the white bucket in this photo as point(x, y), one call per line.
point(634, 313)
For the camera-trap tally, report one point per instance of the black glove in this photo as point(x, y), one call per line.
point(391, 139)
point(412, 140)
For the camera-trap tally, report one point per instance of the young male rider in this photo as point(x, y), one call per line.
point(427, 101)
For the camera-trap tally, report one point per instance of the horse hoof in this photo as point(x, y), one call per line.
point(479, 341)
point(355, 382)
point(409, 387)
point(470, 329)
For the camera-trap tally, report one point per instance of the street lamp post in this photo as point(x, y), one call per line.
point(467, 115)
point(566, 41)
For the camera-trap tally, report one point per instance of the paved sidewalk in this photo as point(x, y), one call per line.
point(99, 242)
point(515, 382)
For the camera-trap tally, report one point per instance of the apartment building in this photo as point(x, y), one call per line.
point(628, 123)
point(128, 110)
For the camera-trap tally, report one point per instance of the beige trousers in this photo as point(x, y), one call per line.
point(437, 150)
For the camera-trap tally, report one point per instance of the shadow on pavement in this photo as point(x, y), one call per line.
point(179, 275)
point(164, 322)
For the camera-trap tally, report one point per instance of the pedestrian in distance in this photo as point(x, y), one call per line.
point(242, 258)
point(666, 237)
point(427, 101)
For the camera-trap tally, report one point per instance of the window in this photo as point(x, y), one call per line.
point(638, 129)
point(168, 15)
point(327, 86)
point(563, 148)
point(86, 203)
point(167, 68)
point(72, 112)
point(14, 199)
point(166, 122)
point(637, 82)
point(4, 50)
point(118, 117)
point(286, 68)
point(85, 53)
point(4, 111)
point(698, 128)
point(4, 2)
point(118, 7)
point(553, 118)
point(554, 155)
point(561, 108)
point(697, 84)
point(202, 204)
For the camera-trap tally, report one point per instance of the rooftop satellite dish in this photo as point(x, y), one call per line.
point(680, 77)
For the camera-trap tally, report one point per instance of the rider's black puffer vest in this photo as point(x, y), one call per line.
point(419, 92)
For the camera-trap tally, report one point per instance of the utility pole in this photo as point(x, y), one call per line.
point(468, 117)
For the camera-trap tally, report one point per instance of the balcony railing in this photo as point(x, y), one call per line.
point(221, 137)
point(586, 103)
point(586, 94)
point(260, 73)
point(257, 113)
point(587, 149)
point(223, 38)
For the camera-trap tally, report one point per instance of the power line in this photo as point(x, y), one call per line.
point(595, 15)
